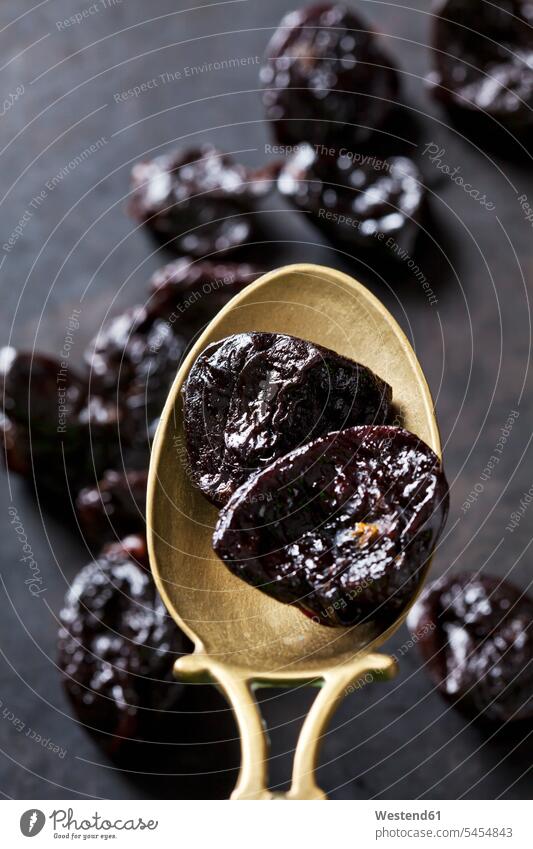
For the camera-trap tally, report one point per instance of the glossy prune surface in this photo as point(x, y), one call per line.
point(117, 645)
point(199, 199)
point(114, 507)
point(475, 636)
point(364, 202)
point(341, 527)
point(327, 78)
point(483, 55)
point(252, 397)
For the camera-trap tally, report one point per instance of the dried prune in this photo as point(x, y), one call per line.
point(134, 349)
point(475, 636)
point(252, 397)
point(327, 79)
point(199, 198)
point(103, 422)
point(190, 293)
point(32, 416)
point(341, 527)
point(63, 432)
point(483, 54)
point(33, 384)
point(117, 646)
point(46, 422)
point(114, 508)
point(132, 362)
point(368, 202)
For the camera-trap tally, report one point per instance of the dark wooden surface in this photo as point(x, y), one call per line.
point(394, 740)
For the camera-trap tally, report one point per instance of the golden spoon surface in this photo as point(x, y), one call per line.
point(242, 637)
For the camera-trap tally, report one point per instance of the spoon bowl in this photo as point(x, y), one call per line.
point(242, 637)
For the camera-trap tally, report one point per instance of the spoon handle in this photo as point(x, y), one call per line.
point(238, 685)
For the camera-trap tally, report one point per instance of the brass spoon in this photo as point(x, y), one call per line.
point(242, 638)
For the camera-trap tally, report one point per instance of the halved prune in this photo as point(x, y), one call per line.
point(483, 54)
point(342, 527)
point(252, 397)
point(115, 507)
point(199, 198)
point(327, 79)
point(358, 201)
point(475, 635)
point(188, 292)
point(117, 646)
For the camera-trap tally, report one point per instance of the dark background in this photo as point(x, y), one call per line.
point(391, 740)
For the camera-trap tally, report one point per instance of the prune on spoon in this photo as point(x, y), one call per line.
point(341, 527)
point(114, 507)
point(199, 198)
point(483, 55)
point(475, 635)
point(367, 203)
point(117, 646)
point(252, 397)
point(328, 80)
point(189, 293)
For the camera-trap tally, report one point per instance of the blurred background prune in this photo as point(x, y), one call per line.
point(189, 292)
point(114, 507)
point(475, 635)
point(327, 78)
point(483, 58)
point(117, 645)
point(198, 199)
point(376, 205)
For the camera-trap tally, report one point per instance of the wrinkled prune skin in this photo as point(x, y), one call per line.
point(475, 637)
point(483, 55)
point(341, 527)
point(252, 397)
point(199, 198)
point(117, 645)
point(372, 205)
point(114, 508)
point(327, 79)
point(190, 293)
